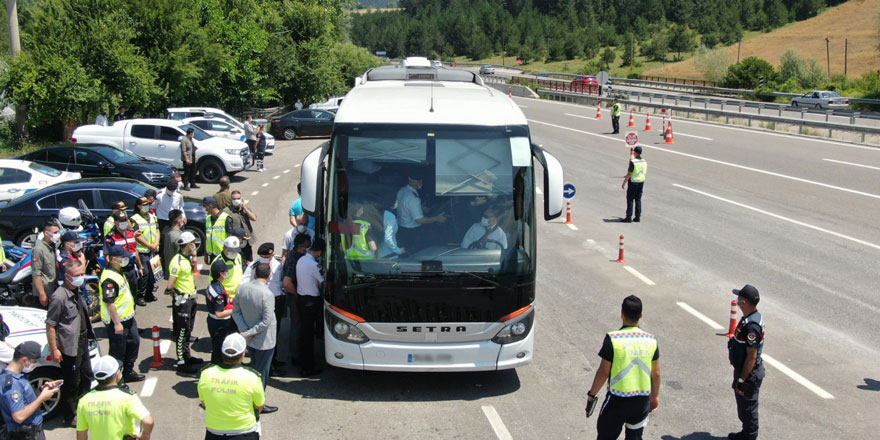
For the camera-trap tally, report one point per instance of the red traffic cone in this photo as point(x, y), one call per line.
point(732, 327)
point(568, 212)
point(668, 133)
point(599, 112)
point(157, 356)
point(620, 252)
point(648, 123)
point(632, 120)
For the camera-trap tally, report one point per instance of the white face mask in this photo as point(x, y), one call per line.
point(56, 237)
point(232, 253)
point(485, 222)
point(77, 246)
point(124, 262)
point(122, 226)
point(262, 260)
point(179, 184)
point(236, 202)
point(77, 281)
point(31, 366)
point(300, 228)
point(145, 209)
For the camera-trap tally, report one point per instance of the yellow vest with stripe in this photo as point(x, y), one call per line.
point(181, 268)
point(640, 170)
point(2, 252)
point(360, 249)
point(615, 110)
point(216, 232)
point(631, 368)
point(233, 279)
point(108, 225)
point(149, 228)
point(124, 301)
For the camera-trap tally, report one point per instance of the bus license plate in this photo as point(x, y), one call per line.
point(429, 358)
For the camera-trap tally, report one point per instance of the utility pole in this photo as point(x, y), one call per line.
point(12, 19)
point(845, 54)
point(738, 47)
point(828, 55)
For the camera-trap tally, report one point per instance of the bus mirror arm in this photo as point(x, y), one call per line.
point(312, 180)
point(553, 182)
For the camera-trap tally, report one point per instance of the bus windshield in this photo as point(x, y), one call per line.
point(407, 201)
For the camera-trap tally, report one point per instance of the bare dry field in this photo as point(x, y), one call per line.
point(855, 20)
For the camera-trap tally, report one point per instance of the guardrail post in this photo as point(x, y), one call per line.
point(852, 120)
point(760, 107)
point(780, 111)
point(828, 116)
point(706, 104)
point(722, 105)
point(803, 111)
point(740, 107)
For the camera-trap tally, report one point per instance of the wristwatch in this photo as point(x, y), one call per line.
point(740, 380)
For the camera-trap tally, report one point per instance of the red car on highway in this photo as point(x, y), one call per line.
point(585, 83)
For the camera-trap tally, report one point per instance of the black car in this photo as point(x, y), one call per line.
point(19, 218)
point(306, 122)
point(93, 160)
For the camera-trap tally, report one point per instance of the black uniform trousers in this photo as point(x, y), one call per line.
point(309, 308)
point(148, 279)
point(189, 173)
point(125, 347)
point(634, 196)
point(747, 407)
point(248, 436)
point(76, 372)
point(615, 123)
point(618, 412)
point(182, 320)
point(219, 329)
point(28, 432)
point(293, 338)
point(280, 313)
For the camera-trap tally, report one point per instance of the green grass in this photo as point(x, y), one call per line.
point(9, 150)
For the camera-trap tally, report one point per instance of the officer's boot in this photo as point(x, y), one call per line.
point(129, 375)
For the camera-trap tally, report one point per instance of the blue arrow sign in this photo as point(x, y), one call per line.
point(568, 191)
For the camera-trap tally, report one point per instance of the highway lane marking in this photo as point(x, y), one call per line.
point(853, 164)
point(571, 226)
point(721, 162)
point(497, 424)
point(149, 387)
point(164, 345)
point(523, 106)
point(799, 223)
point(639, 275)
point(796, 377)
point(675, 133)
point(276, 177)
point(700, 316)
point(287, 171)
point(296, 166)
point(265, 184)
point(255, 193)
point(579, 116)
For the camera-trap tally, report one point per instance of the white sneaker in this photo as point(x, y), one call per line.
point(260, 170)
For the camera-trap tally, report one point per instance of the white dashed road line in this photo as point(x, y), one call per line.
point(796, 377)
point(853, 164)
point(571, 226)
point(579, 116)
point(265, 184)
point(287, 171)
point(164, 345)
point(799, 223)
point(296, 166)
point(523, 106)
point(700, 316)
point(149, 386)
point(639, 275)
point(674, 133)
point(497, 424)
point(276, 177)
point(255, 193)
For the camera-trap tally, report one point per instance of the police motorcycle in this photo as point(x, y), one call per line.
point(16, 282)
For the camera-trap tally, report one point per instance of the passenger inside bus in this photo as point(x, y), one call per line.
point(486, 234)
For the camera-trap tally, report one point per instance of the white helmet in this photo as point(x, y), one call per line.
point(186, 238)
point(70, 218)
point(232, 243)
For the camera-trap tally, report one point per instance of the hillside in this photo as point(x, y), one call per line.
point(854, 20)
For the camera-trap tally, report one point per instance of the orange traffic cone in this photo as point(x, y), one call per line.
point(648, 123)
point(668, 133)
point(632, 120)
point(599, 112)
point(195, 263)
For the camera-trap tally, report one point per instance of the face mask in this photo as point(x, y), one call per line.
point(301, 228)
point(29, 368)
point(56, 238)
point(232, 254)
point(77, 246)
point(77, 281)
point(145, 209)
point(262, 260)
point(485, 222)
point(124, 262)
point(236, 202)
point(179, 184)
point(122, 226)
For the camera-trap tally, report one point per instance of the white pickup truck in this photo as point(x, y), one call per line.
point(159, 139)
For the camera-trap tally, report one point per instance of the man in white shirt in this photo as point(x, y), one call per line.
point(102, 119)
point(309, 304)
point(266, 254)
point(486, 234)
point(290, 236)
point(410, 217)
point(250, 134)
point(298, 105)
point(167, 200)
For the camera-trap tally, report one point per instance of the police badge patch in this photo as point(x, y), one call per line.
point(16, 396)
point(752, 336)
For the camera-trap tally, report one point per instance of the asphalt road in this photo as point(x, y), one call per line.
point(722, 207)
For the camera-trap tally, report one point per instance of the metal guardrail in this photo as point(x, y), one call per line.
point(801, 123)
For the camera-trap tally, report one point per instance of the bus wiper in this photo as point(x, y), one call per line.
point(459, 272)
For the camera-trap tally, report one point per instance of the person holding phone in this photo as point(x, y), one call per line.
point(19, 403)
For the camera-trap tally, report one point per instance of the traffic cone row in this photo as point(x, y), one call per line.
point(632, 120)
point(648, 123)
point(668, 133)
point(599, 112)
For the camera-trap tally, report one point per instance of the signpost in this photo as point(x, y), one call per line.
point(568, 191)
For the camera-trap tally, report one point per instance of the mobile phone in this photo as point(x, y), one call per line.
point(59, 384)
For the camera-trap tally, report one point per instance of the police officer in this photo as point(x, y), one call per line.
point(123, 234)
point(182, 288)
point(635, 177)
point(117, 313)
point(19, 404)
point(110, 410)
point(220, 323)
point(744, 351)
point(631, 366)
point(217, 228)
point(615, 117)
point(110, 222)
point(232, 257)
point(147, 247)
point(232, 395)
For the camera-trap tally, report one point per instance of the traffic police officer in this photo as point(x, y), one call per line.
point(217, 228)
point(110, 222)
point(232, 257)
point(110, 411)
point(220, 323)
point(744, 351)
point(615, 117)
point(19, 404)
point(147, 247)
point(232, 394)
point(117, 313)
point(635, 176)
point(630, 364)
point(182, 288)
point(123, 235)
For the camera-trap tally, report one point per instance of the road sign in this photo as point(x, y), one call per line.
point(381, 53)
point(602, 77)
point(632, 139)
point(568, 191)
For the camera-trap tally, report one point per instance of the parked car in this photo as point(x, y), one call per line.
point(29, 324)
point(585, 83)
point(101, 161)
point(159, 139)
point(181, 113)
point(487, 69)
point(19, 177)
point(331, 104)
point(824, 99)
point(19, 218)
point(227, 130)
point(436, 63)
point(303, 123)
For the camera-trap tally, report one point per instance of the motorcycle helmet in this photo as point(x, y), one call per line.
point(186, 238)
point(70, 219)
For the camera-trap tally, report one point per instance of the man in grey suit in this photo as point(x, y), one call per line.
point(254, 315)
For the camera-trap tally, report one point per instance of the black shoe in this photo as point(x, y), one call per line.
point(739, 436)
point(186, 368)
point(194, 186)
point(132, 376)
point(268, 409)
point(637, 219)
point(627, 220)
point(277, 372)
point(185, 188)
point(193, 339)
point(151, 298)
point(194, 361)
point(140, 302)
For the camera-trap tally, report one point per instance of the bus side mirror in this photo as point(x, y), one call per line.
point(312, 179)
point(553, 182)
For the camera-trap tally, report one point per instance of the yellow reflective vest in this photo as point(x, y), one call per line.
point(360, 249)
point(233, 279)
point(149, 228)
point(640, 170)
point(124, 301)
point(631, 367)
point(216, 232)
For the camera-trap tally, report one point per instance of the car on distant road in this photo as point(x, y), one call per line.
point(821, 99)
point(20, 218)
point(227, 130)
point(101, 161)
point(487, 69)
point(19, 177)
point(587, 83)
point(300, 123)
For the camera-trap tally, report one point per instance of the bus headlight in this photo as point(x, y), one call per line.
point(344, 331)
point(515, 331)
